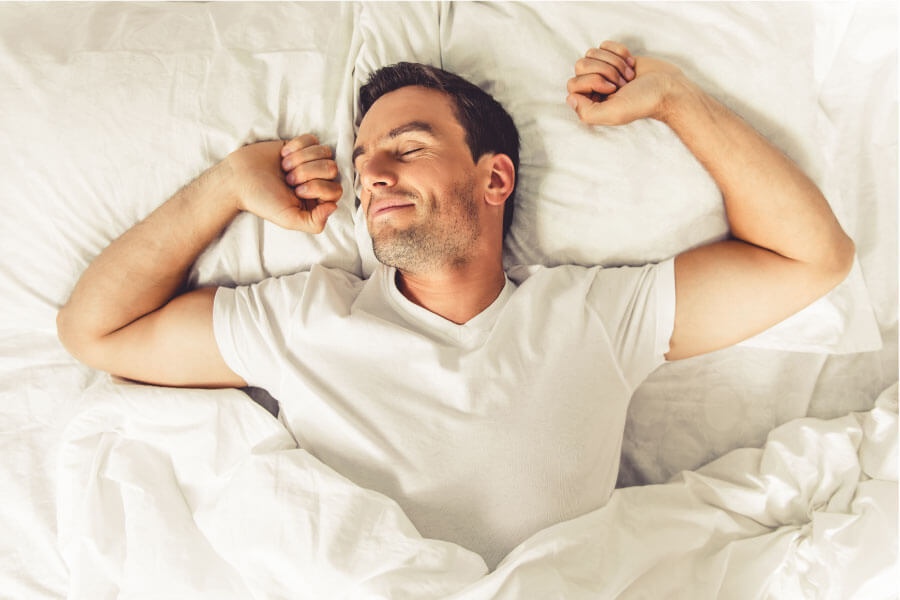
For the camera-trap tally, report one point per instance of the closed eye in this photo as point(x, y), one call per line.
point(413, 151)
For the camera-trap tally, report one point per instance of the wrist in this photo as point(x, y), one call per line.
point(226, 181)
point(679, 95)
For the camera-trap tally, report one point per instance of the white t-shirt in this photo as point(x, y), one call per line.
point(485, 432)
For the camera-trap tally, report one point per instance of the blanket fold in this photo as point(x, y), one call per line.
point(190, 493)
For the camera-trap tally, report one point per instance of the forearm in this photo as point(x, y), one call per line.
point(144, 268)
point(769, 201)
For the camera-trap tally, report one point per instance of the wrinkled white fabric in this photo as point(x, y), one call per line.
point(212, 500)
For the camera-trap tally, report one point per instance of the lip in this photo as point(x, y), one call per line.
point(388, 204)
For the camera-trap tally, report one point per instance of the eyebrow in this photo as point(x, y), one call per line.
point(420, 126)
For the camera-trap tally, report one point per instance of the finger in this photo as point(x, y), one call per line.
point(306, 154)
point(585, 66)
point(320, 189)
point(619, 49)
point(613, 59)
point(301, 141)
point(321, 213)
point(310, 219)
point(317, 169)
point(596, 113)
point(591, 82)
point(579, 104)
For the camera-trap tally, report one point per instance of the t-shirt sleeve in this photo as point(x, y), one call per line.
point(252, 324)
point(637, 308)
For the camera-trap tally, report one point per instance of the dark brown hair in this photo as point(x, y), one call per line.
point(488, 127)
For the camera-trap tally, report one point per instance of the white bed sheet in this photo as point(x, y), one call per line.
point(116, 106)
point(199, 494)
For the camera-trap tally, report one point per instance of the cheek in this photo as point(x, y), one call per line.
point(435, 178)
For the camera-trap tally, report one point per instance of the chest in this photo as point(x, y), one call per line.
point(369, 388)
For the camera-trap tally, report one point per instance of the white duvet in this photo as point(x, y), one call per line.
point(197, 494)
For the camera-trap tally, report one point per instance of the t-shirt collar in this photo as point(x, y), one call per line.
point(480, 323)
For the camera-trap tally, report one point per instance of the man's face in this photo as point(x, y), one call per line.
point(419, 185)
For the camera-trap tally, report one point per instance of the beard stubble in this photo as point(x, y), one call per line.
point(446, 235)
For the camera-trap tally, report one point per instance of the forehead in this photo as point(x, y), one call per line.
point(405, 105)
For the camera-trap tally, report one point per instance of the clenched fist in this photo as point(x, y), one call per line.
point(612, 87)
point(292, 184)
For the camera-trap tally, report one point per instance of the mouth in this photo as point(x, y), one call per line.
point(384, 206)
point(390, 209)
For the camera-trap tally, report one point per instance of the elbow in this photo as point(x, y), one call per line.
point(837, 265)
point(846, 255)
point(65, 331)
point(76, 341)
point(62, 327)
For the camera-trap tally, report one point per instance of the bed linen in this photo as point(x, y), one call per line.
point(110, 108)
point(216, 501)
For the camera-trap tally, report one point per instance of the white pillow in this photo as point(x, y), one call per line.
point(115, 106)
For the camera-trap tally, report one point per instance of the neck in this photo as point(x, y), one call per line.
point(455, 292)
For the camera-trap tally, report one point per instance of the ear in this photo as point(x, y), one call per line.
point(502, 178)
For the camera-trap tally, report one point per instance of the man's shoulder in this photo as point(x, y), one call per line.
point(290, 288)
point(538, 272)
point(316, 273)
point(520, 273)
point(336, 280)
point(335, 274)
point(595, 283)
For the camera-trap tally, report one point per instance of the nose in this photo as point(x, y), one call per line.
point(378, 171)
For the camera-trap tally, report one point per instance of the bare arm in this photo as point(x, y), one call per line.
point(125, 315)
point(122, 300)
point(788, 249)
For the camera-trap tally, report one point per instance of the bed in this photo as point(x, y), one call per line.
point(766, 470)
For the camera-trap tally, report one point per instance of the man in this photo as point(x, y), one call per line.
point(489, 405)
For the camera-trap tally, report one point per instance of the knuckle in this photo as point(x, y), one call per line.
point(615, 47)
point(313, 153)
point(321, 188)
point(325, 189)
point(299, 176)
point(307, 139)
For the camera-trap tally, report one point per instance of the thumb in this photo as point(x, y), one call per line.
point(319, 215)
point(308, 221)
point(585, 108)
point(591, 111)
